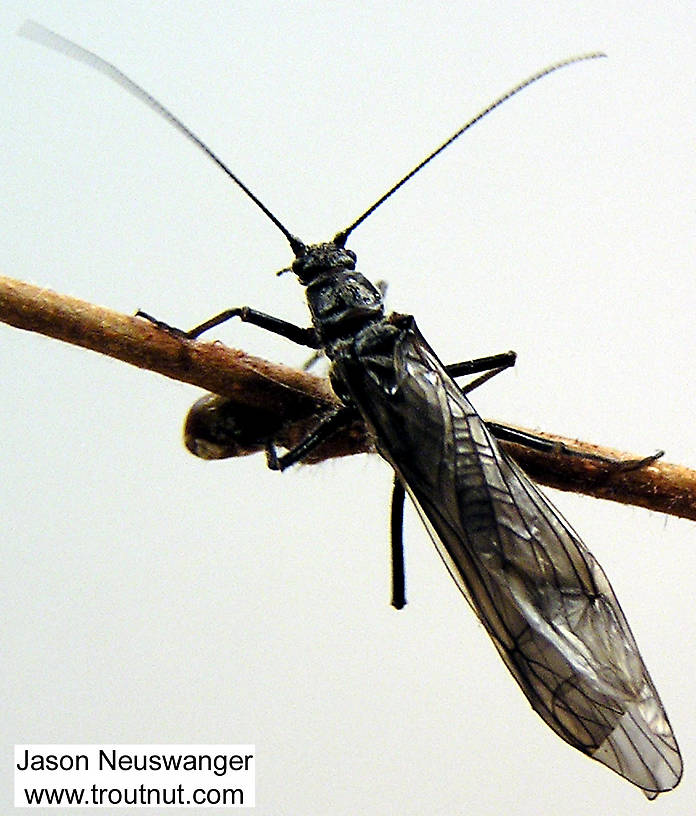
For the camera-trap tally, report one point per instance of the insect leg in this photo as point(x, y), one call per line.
point(328, 425)
point(507, 434)
point(397, 545)
point(492, 365)
point(545, 445)
point(297, 334)
point(303, 337)
point(494, 361)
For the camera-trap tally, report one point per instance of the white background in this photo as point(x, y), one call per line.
point(148, 597)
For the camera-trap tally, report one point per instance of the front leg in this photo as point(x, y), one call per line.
point(276, 325)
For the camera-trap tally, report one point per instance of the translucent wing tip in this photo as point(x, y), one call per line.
point(643, 750)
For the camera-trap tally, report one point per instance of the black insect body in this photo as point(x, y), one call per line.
point(542, 597)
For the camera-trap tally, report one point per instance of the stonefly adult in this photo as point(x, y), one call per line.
point(542, 597)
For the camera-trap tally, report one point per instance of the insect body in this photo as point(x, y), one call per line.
point(542, 597)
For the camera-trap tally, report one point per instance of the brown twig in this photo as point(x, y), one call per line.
point(285, 401)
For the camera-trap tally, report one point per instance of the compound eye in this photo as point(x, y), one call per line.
point(351, 254)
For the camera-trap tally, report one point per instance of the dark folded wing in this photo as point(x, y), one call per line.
point(541, 595)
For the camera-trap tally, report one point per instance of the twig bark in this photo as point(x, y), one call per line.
point(285, 402)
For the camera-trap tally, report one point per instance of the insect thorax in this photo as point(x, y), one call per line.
point(341, 300)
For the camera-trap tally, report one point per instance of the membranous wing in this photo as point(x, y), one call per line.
point(541, 595)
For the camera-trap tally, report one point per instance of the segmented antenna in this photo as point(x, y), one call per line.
point(44, 36)
point(341, 237)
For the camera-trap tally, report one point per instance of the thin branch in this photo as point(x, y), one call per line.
point(284, 402)
point(212, 366)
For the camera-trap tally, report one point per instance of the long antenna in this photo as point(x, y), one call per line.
point(341, 237)
point(44, 36)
